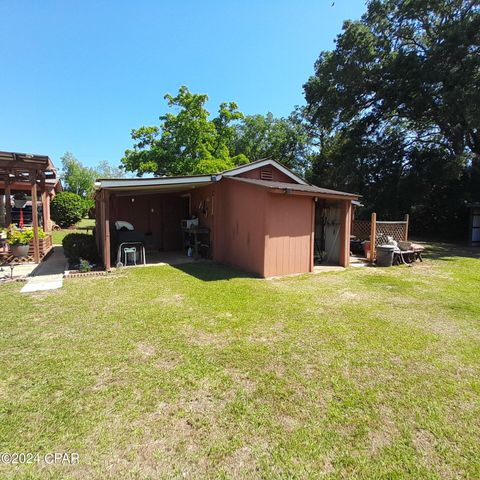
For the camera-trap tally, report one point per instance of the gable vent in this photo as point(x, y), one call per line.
point(266, 174)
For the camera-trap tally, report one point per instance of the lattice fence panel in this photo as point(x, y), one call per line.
point(361, 229)
point(397, 230)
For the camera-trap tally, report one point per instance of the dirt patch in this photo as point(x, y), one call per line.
point(242, 380)
point(167, 363)
point(170, 299)
point(145, 351)
point(425, 443)
point(386, 432)
point(200, 338)
point(107, 379)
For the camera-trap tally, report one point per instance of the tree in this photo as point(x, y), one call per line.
point(186, 142)
point(283, 139)
point(403, 81)
point(77, 178)
point(106, 170)
point(67, 209)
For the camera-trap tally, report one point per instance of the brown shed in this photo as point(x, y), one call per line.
point(260, 217)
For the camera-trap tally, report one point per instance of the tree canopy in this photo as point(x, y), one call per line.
point(283, 139)
point(396, 104)
point(190, 142)
point(78, 178)
point(186, 142)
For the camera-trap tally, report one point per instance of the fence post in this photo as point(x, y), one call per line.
point(373, 236)
point(407, 219)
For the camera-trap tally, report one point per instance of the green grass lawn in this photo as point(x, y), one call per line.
point(58, 235)
point(202, 372)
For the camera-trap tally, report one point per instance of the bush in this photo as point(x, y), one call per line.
point(67, 209)
point(77, 246)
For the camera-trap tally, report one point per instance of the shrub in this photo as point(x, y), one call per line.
point(84, 266)
point(77, 246)
point(67, 209)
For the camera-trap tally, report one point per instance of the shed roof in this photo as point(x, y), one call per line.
point(193, 181)
point(295, 187)
point(152, 182)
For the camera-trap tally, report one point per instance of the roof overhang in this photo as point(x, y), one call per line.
point(297, 189)
point(156, 184)
point(323, 195)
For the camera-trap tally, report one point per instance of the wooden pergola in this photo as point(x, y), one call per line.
point(34, 174)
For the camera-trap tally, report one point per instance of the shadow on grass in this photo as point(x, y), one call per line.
point(211, 271)
point(447, 251)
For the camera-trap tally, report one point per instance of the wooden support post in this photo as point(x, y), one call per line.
point(8, 204)
point(36, 245)
point(49, 219)
point(46, 226)
point(2, 211)
point(98, 221)
point(407, 220)
point(312, 236)
point(373, 236)
point(345, 233)
point(106, 227)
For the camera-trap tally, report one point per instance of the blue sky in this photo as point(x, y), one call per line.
point(79, 75)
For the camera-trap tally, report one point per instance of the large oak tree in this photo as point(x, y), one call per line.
point(399, 98)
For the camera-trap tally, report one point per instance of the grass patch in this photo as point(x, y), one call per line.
point(84, 226)
point(203, 372)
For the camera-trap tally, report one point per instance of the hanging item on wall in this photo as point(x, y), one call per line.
point(206, 206)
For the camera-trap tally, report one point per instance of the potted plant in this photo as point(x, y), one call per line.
point(19, 240)
point(3, 233)
point(20, 199)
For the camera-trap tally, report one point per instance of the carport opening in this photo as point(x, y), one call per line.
point(327, 235)
point(159, 221)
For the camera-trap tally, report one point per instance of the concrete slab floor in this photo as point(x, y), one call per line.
point(155, 258)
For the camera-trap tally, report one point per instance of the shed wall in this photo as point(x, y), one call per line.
point(289, 227)
point(240, 225)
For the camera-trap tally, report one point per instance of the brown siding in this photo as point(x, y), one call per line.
point(288, 248)
point(241, 226)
